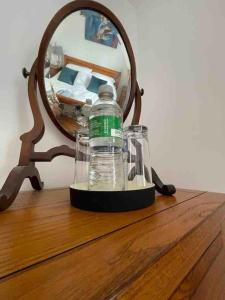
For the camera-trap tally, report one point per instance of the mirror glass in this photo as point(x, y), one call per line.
point(85, 52)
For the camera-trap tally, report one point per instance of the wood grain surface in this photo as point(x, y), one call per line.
point(161, 280)
point(213, 285)
point(125, 256)
point(190, 284)
point(41, 225)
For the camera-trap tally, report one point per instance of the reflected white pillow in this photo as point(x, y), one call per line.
point(104, 77)
point(83, 78)
point(78, 68)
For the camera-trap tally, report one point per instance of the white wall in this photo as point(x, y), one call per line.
point(182, 69)
point(21, 28)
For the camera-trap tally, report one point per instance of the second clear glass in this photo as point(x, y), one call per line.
point(138, 169)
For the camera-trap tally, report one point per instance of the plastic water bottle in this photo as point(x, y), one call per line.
point(106, 172)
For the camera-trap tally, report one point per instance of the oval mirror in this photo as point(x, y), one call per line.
point(84, 47)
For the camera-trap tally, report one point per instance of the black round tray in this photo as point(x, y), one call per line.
point(112, 201)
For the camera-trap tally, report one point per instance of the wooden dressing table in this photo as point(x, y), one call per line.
point(173, 249)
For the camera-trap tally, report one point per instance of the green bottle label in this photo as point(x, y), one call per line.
point(105, 126)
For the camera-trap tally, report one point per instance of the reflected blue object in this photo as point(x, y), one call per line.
point(99, 29)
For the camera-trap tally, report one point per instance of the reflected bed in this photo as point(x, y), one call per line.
point(78, 92)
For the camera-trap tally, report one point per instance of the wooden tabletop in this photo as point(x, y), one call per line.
point(50, 250)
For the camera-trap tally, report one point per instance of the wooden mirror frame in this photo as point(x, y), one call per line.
point(28, 156)
point(64, 12)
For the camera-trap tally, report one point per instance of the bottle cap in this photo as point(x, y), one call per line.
point(105, 90)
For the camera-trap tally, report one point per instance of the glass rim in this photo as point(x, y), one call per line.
point(136, 129)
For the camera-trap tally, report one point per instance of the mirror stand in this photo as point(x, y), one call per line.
point(26, 167)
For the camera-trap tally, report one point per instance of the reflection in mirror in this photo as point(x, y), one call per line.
point(85, 52)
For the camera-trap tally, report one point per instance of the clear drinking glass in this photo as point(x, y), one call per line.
point(138, 168)
point(82, 159)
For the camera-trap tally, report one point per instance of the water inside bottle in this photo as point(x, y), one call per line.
point(106, 172)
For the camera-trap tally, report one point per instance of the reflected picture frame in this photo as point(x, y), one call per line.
point(99, 29)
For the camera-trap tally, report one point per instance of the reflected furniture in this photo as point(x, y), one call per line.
point(173, 249)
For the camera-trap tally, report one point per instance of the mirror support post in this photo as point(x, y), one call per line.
point(26, 166)
point(137, 105)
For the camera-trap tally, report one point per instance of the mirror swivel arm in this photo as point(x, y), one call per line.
point(25, 73)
